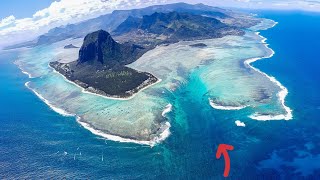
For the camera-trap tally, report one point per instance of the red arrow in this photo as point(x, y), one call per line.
point(223, 149)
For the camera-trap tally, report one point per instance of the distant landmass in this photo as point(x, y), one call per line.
point(70, 46)
point(199, 45)
point(110, 22)
point(172, 27)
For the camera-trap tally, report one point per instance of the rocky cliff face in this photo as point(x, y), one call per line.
point(100, 48)
point(101, 68)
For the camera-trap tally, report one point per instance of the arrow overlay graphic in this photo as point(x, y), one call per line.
point(223, 150)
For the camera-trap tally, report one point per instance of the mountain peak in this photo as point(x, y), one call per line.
point(100, 48)
point(95, 45)
point(98, 36)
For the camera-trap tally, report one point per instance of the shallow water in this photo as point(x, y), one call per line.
point(230, 82)
point(132, 118)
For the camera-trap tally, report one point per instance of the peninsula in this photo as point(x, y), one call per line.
point(101, 65)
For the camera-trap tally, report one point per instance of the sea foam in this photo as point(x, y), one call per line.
point(54, 108)
point(240, 124)
point(22, 70)
point(281, 95)
point(220, 107)
point(165, 128)
point(167, 109)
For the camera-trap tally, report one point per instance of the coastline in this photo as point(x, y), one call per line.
point(161, 137)
point(281, 94)
point(83, 90)
point(164, 129)
point(22, 70)
point(51, 106)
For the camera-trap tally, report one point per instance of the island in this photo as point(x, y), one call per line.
point(198, 45)
point(101, 65)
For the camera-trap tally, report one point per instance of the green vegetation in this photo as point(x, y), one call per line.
point(114, 82)
point(120, 82)
point(112, 74)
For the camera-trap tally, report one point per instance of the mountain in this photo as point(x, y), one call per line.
point(70, 46)
point(100, 48)
point(101, 68)
point(173, 27)
point(110, 22)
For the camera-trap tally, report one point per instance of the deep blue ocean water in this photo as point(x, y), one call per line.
point(36, 142)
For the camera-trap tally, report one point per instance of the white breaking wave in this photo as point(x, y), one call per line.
point(167, 109)
point(217, 106)
point(281, 95)
point(275, 23)
point(164, 128)
point(165, 133)
point(29, 75)
point(240, 124)
point(58, 110)
point(23, 71)
point(259, 117)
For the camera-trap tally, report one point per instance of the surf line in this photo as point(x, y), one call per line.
point(281, 94)
point(220, 107)
point(47, 102)
point(165, 128)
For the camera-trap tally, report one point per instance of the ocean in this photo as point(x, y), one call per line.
point(36, 142)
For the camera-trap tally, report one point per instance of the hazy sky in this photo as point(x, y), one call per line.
point(309, 5)
point(22, 20)
point(22, 8)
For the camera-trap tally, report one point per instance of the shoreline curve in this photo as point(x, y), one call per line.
point(282, 94)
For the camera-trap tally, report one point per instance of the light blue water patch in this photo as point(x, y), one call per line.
point(139, 118)
point(223, 67)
